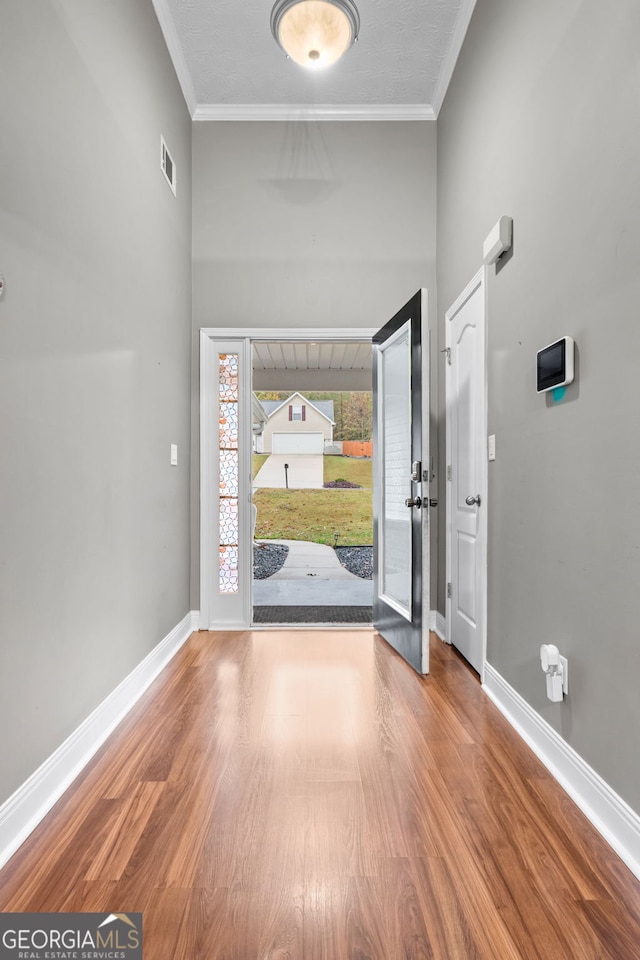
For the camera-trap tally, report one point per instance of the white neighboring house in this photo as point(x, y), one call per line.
point(259, 417)
point(296, 425)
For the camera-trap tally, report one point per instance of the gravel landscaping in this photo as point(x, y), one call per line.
point(358, 560)
point(268, 558)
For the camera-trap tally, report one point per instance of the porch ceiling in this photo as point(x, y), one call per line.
point(326, 365)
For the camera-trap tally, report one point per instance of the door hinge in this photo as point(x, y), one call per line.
point(447, 350)
point(449, 591)
point(449, 472)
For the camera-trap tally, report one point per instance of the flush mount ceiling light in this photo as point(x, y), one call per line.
point(315, 33)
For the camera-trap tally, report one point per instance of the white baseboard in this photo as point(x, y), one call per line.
point(611, 816)
point(24, 809)
point(438, 624)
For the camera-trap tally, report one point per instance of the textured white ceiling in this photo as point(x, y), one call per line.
point(226, 57)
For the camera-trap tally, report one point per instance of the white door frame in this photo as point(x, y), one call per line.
point(479, 281)
point(241, 339)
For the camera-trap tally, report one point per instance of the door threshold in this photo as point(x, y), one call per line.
point(312, 626)
point(312, 613)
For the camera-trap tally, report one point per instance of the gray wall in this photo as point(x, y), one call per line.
point(308, 225)
point(540, 123)
point(94, 362)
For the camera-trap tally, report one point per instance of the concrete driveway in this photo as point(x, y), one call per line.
point(305, 471)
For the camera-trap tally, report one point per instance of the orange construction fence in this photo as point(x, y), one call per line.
point(357, 448)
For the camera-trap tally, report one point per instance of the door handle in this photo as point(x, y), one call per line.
point(471, 500)
point(413, 502)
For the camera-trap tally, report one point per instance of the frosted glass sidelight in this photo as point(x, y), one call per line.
point(228, 472)
point(228, 570)
point(396, 470)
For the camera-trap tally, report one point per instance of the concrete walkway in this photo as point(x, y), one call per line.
point(305, 471)
point(311, 559)
point(312, 575)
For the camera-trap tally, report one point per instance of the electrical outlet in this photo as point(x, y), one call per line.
point(565, 674)
point(554, 687)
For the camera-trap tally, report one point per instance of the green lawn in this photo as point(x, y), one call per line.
point(347, 468)
point(257, 460)
point(315, 515)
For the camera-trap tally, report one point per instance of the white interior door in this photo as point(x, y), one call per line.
point(401, 498)
point(466, 473)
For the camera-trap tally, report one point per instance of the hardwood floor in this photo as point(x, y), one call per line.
point(289, 795)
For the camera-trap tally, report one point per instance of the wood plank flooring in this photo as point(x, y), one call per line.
point(303, 795)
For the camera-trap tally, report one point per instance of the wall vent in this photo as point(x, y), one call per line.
point(167, 165)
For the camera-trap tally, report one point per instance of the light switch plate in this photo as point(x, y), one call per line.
point(174, 454)
point(492, 446)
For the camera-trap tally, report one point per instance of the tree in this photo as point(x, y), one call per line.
point(271, 395)
point(358, 416)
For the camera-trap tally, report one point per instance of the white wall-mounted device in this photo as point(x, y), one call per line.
point(555, 365)
point(498, 241)
point(557, 670)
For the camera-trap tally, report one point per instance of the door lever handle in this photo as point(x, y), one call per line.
point(471, 500)
point(413, 502)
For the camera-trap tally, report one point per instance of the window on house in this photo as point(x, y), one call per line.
point(297, 412)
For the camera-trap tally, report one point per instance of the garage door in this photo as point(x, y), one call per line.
point(298, 443)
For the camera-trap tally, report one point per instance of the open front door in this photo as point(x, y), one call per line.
point(401, 474)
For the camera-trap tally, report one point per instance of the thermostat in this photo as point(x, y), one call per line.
point(555, 367)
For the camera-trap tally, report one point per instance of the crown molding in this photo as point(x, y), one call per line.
point(174, 47)
point(313, 112)
point(448, 64)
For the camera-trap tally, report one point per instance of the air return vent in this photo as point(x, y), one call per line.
point(167, 165)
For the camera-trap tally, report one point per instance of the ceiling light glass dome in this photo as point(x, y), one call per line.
point(315, 33)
